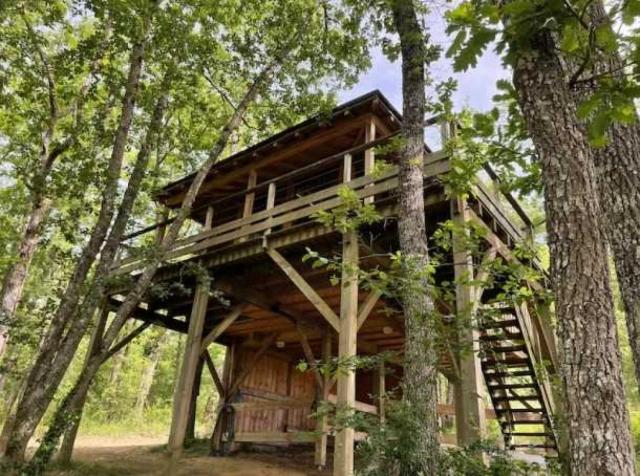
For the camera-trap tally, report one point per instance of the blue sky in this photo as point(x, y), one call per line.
point(475, 87)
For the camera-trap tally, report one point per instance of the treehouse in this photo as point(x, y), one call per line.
point(253, 222)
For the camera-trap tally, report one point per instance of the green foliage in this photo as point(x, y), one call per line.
point(513, 28)
point(390, 449)
point(351, 214)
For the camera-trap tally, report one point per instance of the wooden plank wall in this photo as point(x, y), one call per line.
point(274, 378)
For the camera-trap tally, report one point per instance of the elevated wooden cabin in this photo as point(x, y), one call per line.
point(253, 221)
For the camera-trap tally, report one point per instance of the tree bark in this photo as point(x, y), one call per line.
point(420, 359)
point(14, 280)
point(71, 404)
point(618, 175)
point(54, 357)
point(153, 359)
point(590, 368)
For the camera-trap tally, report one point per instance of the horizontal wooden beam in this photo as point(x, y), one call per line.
point(275, 437)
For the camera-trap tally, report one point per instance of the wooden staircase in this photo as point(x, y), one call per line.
point(518, 384)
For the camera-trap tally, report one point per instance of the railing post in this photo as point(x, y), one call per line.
point(271, 201)
point(347, 168)
point(369, 154)
point(249, 198)
point(208, 220)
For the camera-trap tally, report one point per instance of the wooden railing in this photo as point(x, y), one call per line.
point(273, 217)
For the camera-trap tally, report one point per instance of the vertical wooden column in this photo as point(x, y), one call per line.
point(271, 201)
point(221, 415)
point(321, 424)
point(380, 388)
point(469, 393)
point(369, 154)
point(184, 388)
point(347, 340)
point(249, 199)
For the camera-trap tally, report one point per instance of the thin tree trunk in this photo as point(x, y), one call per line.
point(420, 356)
point(14, 280)
point(618, 176)
point(50, 366)
point(590, 368)
point(70, 404)
point(146, 381)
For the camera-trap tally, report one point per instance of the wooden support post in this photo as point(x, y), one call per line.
point(190, 433)
point(369, 154)
point(192, 351)
point(220, 425)
point(322, 426)
point(470, 412)
point(347, 338)
point(380, 388)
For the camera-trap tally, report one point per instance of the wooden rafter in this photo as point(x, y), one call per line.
point(304, 287)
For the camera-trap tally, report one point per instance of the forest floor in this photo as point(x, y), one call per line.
point(108, 456)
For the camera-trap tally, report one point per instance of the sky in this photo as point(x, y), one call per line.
point(476, 87)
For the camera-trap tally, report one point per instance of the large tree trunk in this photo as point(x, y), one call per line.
point(618, 175)
point(153, 359)
point(420, 356)
point(590, 368)
point(54, 357)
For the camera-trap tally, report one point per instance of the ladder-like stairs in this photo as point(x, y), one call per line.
point(514, 380)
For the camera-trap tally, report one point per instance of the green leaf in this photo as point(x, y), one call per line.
point(570, 40)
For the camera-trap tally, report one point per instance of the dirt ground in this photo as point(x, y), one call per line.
point(102, 456)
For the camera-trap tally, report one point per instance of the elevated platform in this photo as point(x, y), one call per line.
point(255, 219)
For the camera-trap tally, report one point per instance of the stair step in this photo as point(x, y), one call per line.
point(512, 386)
point(529, 433)
point(523, 422)
point(537, 411)
point(512, 361)
point(507, 348)
point(518, 373)
point(501, 337)
point(548, 447)
point(513, 398)
point(500, 324)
